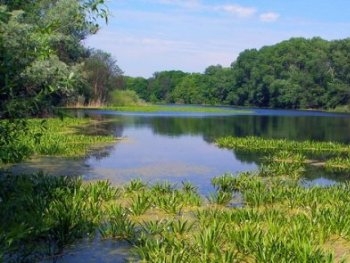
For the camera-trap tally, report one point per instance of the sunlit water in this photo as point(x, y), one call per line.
point(178, 147)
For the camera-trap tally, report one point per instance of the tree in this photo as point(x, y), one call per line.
point(188, 90)
point(101, 74)
point(39, 52)
point(29, 45)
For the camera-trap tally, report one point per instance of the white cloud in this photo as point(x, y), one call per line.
point(238, 10)
point(269, 17)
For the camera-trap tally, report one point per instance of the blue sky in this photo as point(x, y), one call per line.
point(146, 36)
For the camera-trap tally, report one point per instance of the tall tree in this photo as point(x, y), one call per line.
point(40, 46)
point(101, 74)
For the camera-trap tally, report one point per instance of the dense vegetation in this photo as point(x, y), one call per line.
point(297, 73)
point(43, 62)
point(267, 216)
point(52, 137)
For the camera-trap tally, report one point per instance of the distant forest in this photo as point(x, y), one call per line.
point(295, 74)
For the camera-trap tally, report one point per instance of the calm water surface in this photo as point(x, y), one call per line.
point(179, 147)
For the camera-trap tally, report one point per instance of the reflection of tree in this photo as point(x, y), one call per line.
point(289, 127)
point(249, 157)
point(315, 172)
point(212, 127)
point(101, 153)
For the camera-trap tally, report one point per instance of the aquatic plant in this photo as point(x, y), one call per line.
point(140, 203)
point(170, 203)
point(279, 219)
point(338, 164)
point(134, 185)
point(257, 144)
point(226, 182)
point(220, 197)
point(117, 225)
point(57, 137)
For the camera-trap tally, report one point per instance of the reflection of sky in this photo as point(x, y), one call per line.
point(153, 157)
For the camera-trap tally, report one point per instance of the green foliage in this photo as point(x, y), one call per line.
point(279, 220)
point(297, 73)
point(21, 139)
point(40, 48)
point(101, 77)
point(40, 215)
point(283, 147)
point(122, 98)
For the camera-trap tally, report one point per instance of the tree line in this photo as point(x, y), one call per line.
point(296, 73)
point(43, 63)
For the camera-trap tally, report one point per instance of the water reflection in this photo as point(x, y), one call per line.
point(179, 147)
point(152, 157)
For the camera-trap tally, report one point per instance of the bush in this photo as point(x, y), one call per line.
point(124, 98)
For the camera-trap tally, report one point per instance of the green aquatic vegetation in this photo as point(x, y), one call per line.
point(338, 164)
point(163, 187)
point(41, 214)
point(220, 198)
point(117, 225)
point(180, 226)
point(154, 227)
point(177, 108)
point(279, 220)
point(170, 203)
point(188, 187)
point(225, 183)
point(134, 185)
point(58, 137)
point(257, 144)
point(101, 191)
point(140, 203)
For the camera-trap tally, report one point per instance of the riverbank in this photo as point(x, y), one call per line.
point(152, 108)
point(59, 137)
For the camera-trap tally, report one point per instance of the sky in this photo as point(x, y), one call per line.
point(148, 36)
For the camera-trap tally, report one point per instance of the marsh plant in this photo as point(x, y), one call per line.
point(43, 214)
point(278, 220)
point(303, 148)
point(53, 136)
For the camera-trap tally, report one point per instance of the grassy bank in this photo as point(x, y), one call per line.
point(179, 108)
point(57, 137)
point(156, 108)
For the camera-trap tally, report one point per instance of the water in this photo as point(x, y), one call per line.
point(179, 147)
